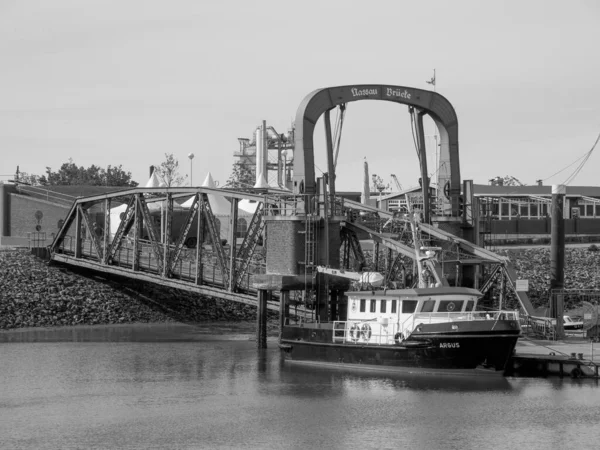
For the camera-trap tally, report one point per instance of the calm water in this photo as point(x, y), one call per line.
point(174, 386)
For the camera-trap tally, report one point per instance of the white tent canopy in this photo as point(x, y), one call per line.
point(221, 208)
point(153, 181)
point(247, 206)
point(115, 213)
point(219, 204)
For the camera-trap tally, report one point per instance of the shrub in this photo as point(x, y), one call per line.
point(593, 248)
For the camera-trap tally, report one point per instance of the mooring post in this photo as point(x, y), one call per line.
point(283, 309)
point(261, 319)
point(557, 256)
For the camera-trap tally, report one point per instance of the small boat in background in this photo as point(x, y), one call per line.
point(570, 324)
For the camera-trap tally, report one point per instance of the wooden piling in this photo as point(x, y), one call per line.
point(284, 311)
point(261, 319)
point(557, 256)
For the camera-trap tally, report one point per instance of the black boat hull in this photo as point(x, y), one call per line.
point(432, 351)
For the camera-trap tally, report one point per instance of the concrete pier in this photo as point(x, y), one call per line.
point(542, 358)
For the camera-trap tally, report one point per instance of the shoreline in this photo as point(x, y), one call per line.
point(139, 332)
point(37, 296)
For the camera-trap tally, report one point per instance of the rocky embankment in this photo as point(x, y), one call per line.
point(34, 294)
point(582, 271)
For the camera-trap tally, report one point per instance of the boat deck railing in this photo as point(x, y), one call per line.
point(384, 332)
point(440, 317)
point(373, 333)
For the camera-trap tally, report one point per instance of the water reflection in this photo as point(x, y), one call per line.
point(369, 380)
point(178, 386)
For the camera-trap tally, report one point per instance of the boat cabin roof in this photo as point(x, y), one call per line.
point(417, 292)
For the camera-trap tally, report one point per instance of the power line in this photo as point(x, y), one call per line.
point(585, 160)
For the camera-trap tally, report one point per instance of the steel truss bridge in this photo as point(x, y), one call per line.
point(145, 241)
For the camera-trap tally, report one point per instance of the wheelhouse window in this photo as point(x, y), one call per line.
point(409, 306)
point(428, 306)
point(363, 303)
point(470, 305)
point(394, 303)
point(373, 306)
point(450, 305)
point(383, 306)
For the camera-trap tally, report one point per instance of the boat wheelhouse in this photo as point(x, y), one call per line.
point(391, 316)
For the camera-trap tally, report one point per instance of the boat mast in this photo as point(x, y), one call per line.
point(417, 244)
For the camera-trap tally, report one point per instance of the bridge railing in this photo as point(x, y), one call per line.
point(185, 268)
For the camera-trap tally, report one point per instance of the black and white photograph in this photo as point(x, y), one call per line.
point(299, 225)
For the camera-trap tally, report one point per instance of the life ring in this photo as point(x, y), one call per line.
point(355, 333)
point(447, 190)
point(366, 331)
point(398, 337)
point(450, 307)
point(576, 372)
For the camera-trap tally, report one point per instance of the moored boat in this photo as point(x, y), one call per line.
point(437, 330)
point(431, 328)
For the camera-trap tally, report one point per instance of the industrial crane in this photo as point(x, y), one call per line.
point(396, 182)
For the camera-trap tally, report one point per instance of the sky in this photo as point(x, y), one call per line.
point(123, 82)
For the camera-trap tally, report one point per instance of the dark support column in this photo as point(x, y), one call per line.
point(137, 221)
point(330, 163)
point(106, 236)
point(423, 164)
point(232, 243)
point(322, 306)
point(334, 301)
point(557, 256)
point(284, 311)
point(3, 212)
point(78, 234)
point(346, 254)
point(167, 236)
point(199, 240)
point(376, 256)
point(324, 258)
point(261, 319)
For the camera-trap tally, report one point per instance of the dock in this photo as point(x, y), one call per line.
point(567, 358)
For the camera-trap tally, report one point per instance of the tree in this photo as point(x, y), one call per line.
point(116, 176)
point(378, 183)
point(169, 171)
point(242, 177)
point(70, 174)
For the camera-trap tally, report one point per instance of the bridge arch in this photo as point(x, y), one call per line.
point(431, 103)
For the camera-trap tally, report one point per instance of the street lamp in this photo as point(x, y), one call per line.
point(191, 156)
